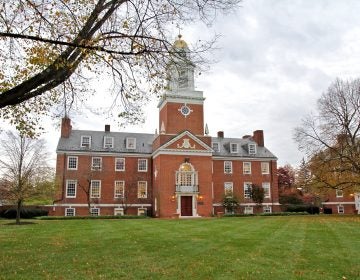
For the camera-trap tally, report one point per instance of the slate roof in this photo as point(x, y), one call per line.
point(224, 145)
point(144, 144)
point(73, 143)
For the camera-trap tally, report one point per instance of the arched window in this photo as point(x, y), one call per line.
point(186, 176)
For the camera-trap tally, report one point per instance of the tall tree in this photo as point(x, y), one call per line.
point(286, 177)
point(23, 165)
point(331, 137)
point(50, 49)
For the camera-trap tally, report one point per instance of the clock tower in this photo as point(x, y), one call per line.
point(181, 107)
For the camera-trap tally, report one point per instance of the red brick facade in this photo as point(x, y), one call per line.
point(178, 172)
point(341, 202)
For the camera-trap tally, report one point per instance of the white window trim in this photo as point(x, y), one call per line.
point(237, 148)
point(232, 188)
point(343, 209)
point(67, 182)
point(245, 187)
point(267, 164)
point(91, 189)
point(66, 209)
point(142, 159)
point(68, 161)
point(249, 210)
point(124, 164)
point(123, 192)
point(119, 209)
point(108, 145)
point(146, 190)
point(267, 184)
point(128, 140)
point(92, 164)
point(231, 167)
point(82, 141)
point(267, 207)
point(244, 163)
point(338, 195)
point(140, 210)
point(93, 208)
point(252, 152)
point(218, 147)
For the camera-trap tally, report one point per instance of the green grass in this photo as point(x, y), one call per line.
point(303, 247)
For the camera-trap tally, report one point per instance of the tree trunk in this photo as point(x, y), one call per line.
point(18, 210)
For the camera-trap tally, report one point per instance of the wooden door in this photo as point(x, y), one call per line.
point(186, 206)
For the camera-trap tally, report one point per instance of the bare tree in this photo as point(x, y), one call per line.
point(331, 138)
point(23, 165)
point(50, 49)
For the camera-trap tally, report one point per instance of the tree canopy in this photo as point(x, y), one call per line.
point(51, 49)
point(331, 137)
point(23, 169)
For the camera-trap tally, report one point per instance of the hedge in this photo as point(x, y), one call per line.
point(91, 217)
point(25, 213)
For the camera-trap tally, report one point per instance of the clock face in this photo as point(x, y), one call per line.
point(185, 110)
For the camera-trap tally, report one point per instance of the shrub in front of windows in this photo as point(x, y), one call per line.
point(230, 203)
point(257, 194)
point(311, 209)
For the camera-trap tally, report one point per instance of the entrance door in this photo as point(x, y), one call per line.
point(186, 206)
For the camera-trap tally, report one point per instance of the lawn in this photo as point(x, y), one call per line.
point(298, 247)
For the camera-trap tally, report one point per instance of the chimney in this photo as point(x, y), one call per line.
point(220, 134)
point(259, 137)
point(65, 127)
point(107, 127)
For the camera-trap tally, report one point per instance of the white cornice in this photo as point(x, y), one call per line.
point(234, 158)
point(338, 203)
point(99, 205)
point(103, 154)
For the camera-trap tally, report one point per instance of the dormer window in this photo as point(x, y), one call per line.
point(85, 141)
point(233, 148)
point(216, 147)
point(131, 143)
point(252, 149)
point(108, 142)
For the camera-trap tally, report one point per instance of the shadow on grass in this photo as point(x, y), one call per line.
point(21, 224)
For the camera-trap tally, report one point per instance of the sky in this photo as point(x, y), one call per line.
point(274, 59)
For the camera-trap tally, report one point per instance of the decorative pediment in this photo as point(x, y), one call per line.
point(186, 141)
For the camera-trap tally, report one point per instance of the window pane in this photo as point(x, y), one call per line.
point(227, 166)
point(142, 189)
point(142, 165)
point(96, 163)
point(119, 189)
point(72, 162)
point(71, 188)
point(95, 189)
point(228, 187)
point(247, 167)
point(247, 190)
point(119, 164)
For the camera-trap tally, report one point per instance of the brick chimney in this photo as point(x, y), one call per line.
point(65, 127)
point(258, 137)
point(107, 127)
point(220, 134)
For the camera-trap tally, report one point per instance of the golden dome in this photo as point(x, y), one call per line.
point(180, 43)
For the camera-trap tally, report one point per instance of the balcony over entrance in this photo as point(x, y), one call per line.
point(187, 189)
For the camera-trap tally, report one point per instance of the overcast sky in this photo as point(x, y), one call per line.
point(275, 58)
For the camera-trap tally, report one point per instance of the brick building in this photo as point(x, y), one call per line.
point(179, 171)
point(341, 202)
